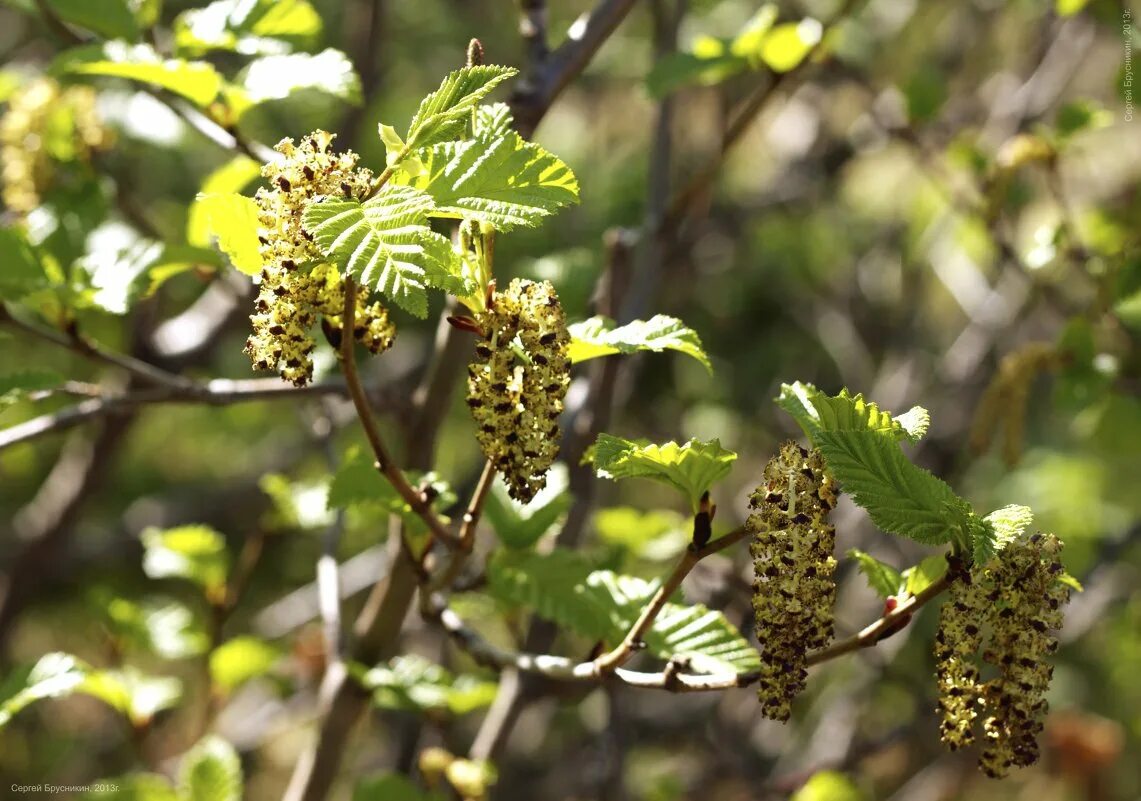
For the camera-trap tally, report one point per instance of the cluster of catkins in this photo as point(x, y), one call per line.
point(1007, 609)
point(45, 124)
point(794, 587)
point(518, 381)
point(292, 297)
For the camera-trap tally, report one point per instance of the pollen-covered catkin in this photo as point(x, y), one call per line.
point(956, 643)
point(291, 299)
point(517, 383)
point(794, 589)
point(1030, 600)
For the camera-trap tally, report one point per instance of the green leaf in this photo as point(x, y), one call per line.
point(749, 43)
point(921, 576)
point(900, 497)
point(232, 220)
point(657, 534)
point(598, 337)
point(277, 77)
point(241, 659)
point(1008, 523)
point(550, 585)
point(926, 92)
point(22, 273)
point(18, 385)
point(677, 70)
point(789, 44)
point(197, 553)
point(197, 81)
point(492, 120)
point(1081, 115)
point(504, 181)
point(55, 675)
point(691, 468)
point(211, 771)
point(233, 176)
point(391, 787)
point(386, 244)
point(160, 625)
point(263, 27)
point(882, 577)
point(520, 525)
point(414, 684)
point(132, 787)
point(111, 19)
point(815, 412)
point(1071, 582)
point(358, 483)
point(1067, 8)
point(829, 785)
point(444, 114)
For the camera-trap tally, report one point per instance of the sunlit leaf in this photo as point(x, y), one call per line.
point(444, 114)
point(692, 467)
point(111, 19)
point(414, 684)
point(788, 44)
point(236, 661)
point(882, 577)
point(210, 771)
point(232, 220)
point(262, 27)
point(197, 553)
point(196, 81)
point(598, 337)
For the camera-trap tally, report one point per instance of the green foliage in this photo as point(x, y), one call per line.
point(829, 785)
point(55, 675)
point(501, 179)
point(599, 337)
point(656, 534)
point(108, 18)
point(264, 27)
point(197, 553)
point(18, 385)
point(414, 684)
point(358, 483)
point(445, 113)
point(391, 787)
point(790, 43)
point(882, 577)
point(210, 771)
point(921, 576)
point(387, 244)
point(232, 220)
point(241, 659)
point(162, 626)
point(519, 525)
point(561, 586)
point(196, 81)
point(816, 411)
point(1008, 523)
point(691, 468)
point(277, 77)
point(22, 273)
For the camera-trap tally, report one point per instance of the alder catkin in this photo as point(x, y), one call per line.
point(517, 383)
point(794, 588)
point(291, 299)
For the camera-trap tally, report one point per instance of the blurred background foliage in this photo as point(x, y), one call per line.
point(941, 210)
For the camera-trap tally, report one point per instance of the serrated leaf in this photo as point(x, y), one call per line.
point(1008, 523)
point(276, 77)
point(504, 181)
point(492, 120)
point(816, 411)
point(197, 553)
point(196, 81)
point(882, 577)
point(22, 273)
point(921, 576)
point(262, 27)
point(900, 497)
point(691, 468)
point(387, 244)
point(598, 337)
point(232, 221)
point(18, 385)
point(519, 525)
point(111, 19)
point(241, 659)
point(357, 483)
point(414, 684)
point(443, 115)
point(211, 771)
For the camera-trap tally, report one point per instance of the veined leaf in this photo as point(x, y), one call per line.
point(233, 220)
point(197, 81)
point(882, 577)
point(900, 497)
point(815, 412)
point(1008, 523)
point(414, 684)
point(386, 243)
point(197, 553)
point(598, 337)
point(492, 120)
point(692, 468)
point(108, 18)
point(357, 483)
point(519, 525)
point(262, 27)
point(211, 771)
point(503, 180)
point(444, 114)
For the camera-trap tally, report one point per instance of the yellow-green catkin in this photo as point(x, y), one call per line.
point(794, 588)
point(1006, 398)
point(291, 299)
point(517, 383)
point(45, 124)
point(1007, 609)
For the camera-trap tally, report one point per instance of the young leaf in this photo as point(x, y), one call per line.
point(691, 468)
point(504, 181)
point(55, 675)
point(137, 696)
point(262, 27)
point(233, 220)
point(276, 77)
point(357, 483)
point(900, 497)
point(882, 577)
point(443, 115)
point(520, 525)
point(921, 576)
point(492, 120)
point(787, 45)
point(197, 553)
point(386, 243)
point(815, 411)
point(197, 81)
point(414, 684)
point(233, 176)
point(210, 771)
point(239, 660)
point(165, 627)
point(1008, 523)
point(598, 337)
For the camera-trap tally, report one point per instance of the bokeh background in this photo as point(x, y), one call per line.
point(946, 204)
